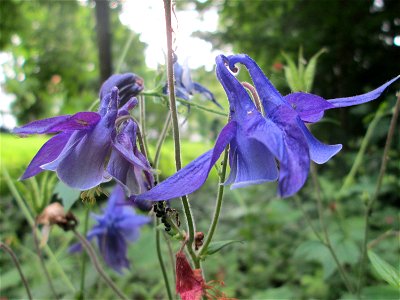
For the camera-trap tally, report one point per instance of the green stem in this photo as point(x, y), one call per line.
point(83, 263)
point(175, 128)
point(328, 243)
point(160, 142)
point(96, 264)
point(31, 221)
point(125, 51)
point(161, 260)
point(193, 104)
point(308, 220)
point(14, 258)
point(42, 263)
point(142, 108)
point(360, 155)
point(371, 202)
point(218, 204)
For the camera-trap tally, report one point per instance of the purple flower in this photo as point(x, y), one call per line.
point(90, 148)
point(185, 87)
point(258, 139)
point(117, 226)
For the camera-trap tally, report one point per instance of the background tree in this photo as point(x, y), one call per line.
point(54, 65)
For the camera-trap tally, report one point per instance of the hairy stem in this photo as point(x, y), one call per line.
point(371, 202)
point(96, 264)
point(175, 128)
point(14, 258)
point(218, 204)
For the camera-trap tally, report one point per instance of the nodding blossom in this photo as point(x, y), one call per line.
point(90, 148)
point(185, 87)
point(261, 134)
point(115, 228)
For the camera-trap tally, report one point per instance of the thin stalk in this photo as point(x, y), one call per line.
point(193, 104)
point(142, 108)
point(42, 263)
point(83, 258)
point(218, 204)
point(14, 258)
point(94, 104)
point(308, 219)
point(161, 260)
point(175, 127)
point(160, 141)
point(36, 193)
point(328, 243)
point(360, 155)
point(142, 146)
point(96, 264)
point(28, 216)
point(371, 202)
point(156, 161)
point(125, 51)
point(171, 255)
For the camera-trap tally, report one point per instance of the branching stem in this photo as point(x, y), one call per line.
point(14, 258)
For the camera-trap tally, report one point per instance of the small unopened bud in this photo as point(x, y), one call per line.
point(198, 240)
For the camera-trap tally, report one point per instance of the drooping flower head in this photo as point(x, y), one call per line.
point(260, 137)
point(115, 228)
point(185, 88)
point(90, 148)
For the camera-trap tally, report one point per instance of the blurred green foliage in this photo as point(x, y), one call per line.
point(54, 63)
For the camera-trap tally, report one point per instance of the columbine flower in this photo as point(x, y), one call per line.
point(185, 87)
point(257, 140)
point(91, 147)
point(117, 226)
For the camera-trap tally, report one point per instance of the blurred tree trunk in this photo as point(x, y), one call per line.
point(103, 38)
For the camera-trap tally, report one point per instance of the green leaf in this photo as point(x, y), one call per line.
point(310, 70)
point(291, 73)
point(68, 195)
point(385, 271)
point(214, 247)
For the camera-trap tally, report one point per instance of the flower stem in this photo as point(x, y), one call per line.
point(160, 142)
point(201, 107)
point(358, 160)
point(371, 202)
point(83, 263)
point(161, 260)
point(31, 221)
point(327, 241)
point(218, 204)
point(42, 263)
point(175, 128)
point(96, 264)
point(142, 107)
point(14, 258)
